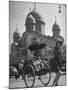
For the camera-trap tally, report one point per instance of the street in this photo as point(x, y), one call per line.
point(20, 83)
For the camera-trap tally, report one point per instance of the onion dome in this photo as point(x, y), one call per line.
point(30, 19)
point(36, 15)
point(16, 36)
point(55, 26)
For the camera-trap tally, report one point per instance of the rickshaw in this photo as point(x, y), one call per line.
point(36, 68)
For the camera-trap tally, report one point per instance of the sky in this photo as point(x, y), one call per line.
point(18, 11)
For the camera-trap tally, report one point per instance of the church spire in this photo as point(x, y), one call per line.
point(16, 27)
point(34, 6)
point(55, 20)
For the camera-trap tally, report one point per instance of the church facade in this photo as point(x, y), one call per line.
point(35, 31)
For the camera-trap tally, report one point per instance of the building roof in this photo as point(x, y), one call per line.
point(36, 15)
point(30, 19)
point(55, 26)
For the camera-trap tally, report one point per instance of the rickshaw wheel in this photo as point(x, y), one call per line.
point(45, 78)
point(29, 75)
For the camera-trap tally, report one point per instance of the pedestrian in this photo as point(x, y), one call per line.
point(56, 61)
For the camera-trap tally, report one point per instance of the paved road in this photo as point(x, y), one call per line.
point(20, 83)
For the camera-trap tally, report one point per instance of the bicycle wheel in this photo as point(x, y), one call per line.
point(45, 78)
point(29, 76)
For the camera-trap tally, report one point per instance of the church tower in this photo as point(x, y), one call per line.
point(38, 24)
point(30, 23)
point(56, 29)
point(16, 35)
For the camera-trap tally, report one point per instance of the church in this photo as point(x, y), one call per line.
point(35, 31)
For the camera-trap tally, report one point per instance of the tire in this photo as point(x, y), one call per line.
point(29, 73)
point(46, 77)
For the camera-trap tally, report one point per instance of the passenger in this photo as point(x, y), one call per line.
point(31, 51)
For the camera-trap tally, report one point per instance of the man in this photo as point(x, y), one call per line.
point(35, 47)
point(56, 60)
point(32, 49)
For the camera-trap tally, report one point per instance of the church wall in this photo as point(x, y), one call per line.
point(43, 28)
point(38, 27)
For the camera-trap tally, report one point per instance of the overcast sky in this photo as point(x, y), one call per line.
point(18, 11)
